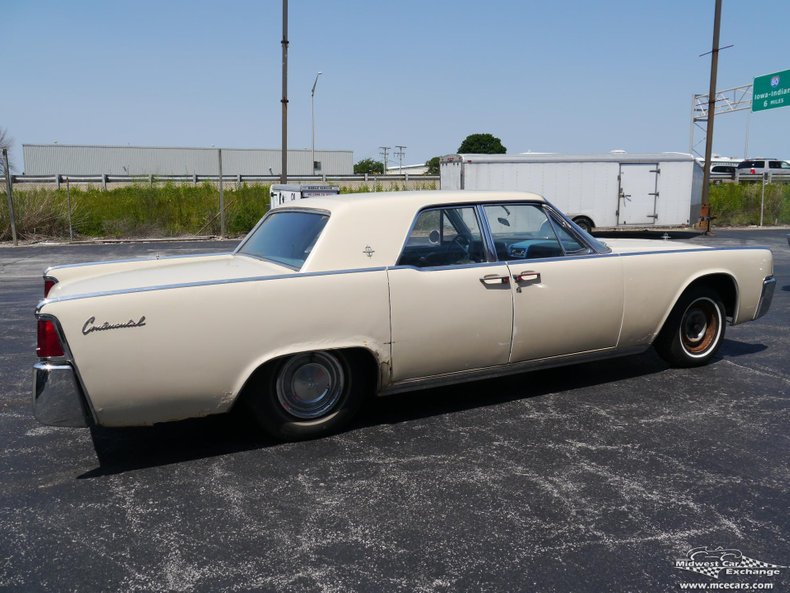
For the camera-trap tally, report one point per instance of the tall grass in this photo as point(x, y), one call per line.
point(135, 211)
point(172, 210)
point(739, 203)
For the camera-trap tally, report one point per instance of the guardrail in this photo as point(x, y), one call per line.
point(106, 179)
point(779, 177)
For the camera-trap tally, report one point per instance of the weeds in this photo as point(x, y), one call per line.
point(172, 210)
point(739, 203)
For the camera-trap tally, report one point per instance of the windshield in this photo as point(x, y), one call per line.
point(285, 237)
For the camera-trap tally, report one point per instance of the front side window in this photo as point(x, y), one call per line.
point(525, 231)
point(444, 237)
point(285, 237)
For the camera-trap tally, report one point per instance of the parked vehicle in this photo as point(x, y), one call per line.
point(763, 165)
point(728, 170)
point(332, 300)
point(613, 190)
point(285, 193)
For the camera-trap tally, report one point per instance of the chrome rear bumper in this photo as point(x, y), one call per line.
point(57, 397)
point(766, 297)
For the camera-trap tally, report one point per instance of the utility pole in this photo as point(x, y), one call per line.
point(221, 197)
point(10, 196)
point(284, 100)
point(312, 116)
point(714, 65)
point(400, 154)
point(384, 151)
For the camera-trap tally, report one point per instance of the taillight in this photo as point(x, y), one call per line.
point(48, 284)
point(48, 341)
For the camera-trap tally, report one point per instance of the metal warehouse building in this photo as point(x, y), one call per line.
point(64, 159)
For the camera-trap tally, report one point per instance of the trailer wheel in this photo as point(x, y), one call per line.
point(585, 223)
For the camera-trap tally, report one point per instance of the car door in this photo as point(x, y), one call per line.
point(567, 298)
point(451, 306)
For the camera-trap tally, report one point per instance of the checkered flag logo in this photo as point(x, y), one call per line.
point(747, 562)
point(711, 562)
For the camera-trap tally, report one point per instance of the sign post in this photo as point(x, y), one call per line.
point(10, 196)
point(771, 91)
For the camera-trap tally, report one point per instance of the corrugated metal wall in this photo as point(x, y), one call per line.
point(63, 159)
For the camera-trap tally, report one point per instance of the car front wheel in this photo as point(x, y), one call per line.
point(694, 329)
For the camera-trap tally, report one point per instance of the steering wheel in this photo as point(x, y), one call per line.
point(464, 243)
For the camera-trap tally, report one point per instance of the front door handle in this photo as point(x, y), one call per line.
point(494, 279)
point(528, 276)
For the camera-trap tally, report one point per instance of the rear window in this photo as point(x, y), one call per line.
point(285, 237)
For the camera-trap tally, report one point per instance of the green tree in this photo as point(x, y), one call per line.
point(369, 166)
point(482, 144)
point(433, 166)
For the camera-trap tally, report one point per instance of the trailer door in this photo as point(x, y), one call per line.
point(638, 194)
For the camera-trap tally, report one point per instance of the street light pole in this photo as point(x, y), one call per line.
point(284, 100)
point(312, 116)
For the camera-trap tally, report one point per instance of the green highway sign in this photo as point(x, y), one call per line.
point(771, 91)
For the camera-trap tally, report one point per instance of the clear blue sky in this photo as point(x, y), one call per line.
point(571, 77)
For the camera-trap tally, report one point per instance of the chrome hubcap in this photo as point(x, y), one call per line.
point(696, 325)
point(310, 385)
point(701, 327)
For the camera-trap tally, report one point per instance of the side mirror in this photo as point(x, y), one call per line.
point(433, 238)
point(503, 221)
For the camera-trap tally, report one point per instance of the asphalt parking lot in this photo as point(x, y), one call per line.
point(592, 478)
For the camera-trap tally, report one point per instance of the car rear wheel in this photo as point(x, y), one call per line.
point(694, 330)
point(307, 395)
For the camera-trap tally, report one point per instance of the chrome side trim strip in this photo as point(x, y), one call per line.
point(91, 295)
point(133, 260)
point(485, 264)
point(376, 269)
point(693, 250)
point(509, 369)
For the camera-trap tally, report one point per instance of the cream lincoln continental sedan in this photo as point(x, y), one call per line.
point(331, 300)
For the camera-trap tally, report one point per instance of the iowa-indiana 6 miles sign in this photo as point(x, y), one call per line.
point(771, 91)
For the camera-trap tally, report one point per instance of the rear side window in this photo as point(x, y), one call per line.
point(286, 237)
point(444, 237)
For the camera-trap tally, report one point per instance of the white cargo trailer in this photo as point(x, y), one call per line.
point(598, 190)
point(282, 193)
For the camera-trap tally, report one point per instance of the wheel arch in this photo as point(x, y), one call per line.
point(721, 281)
point(359, 356)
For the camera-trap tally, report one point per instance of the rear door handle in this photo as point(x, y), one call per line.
point(494, 279)
point(528, 276)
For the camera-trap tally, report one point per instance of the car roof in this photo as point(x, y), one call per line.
point(412, 200)
point(369, 230)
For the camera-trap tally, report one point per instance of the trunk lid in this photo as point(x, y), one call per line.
point(130, 275)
